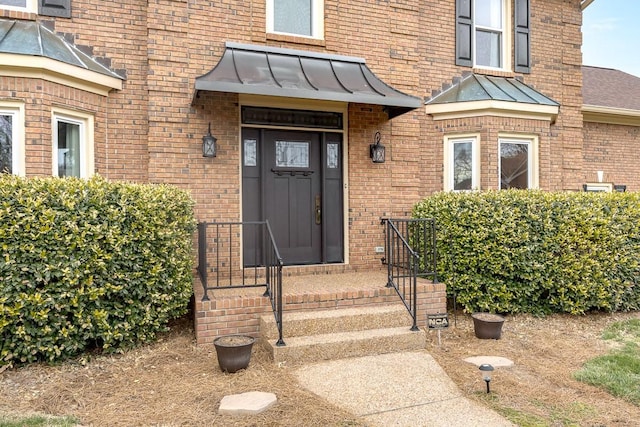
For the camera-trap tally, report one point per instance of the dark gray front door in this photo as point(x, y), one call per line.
point(294, 180)
point(293, 202)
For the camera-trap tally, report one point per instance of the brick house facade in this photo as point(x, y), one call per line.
point(142, 119)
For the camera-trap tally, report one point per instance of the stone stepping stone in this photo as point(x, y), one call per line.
point(250, 403)
point(495, 361)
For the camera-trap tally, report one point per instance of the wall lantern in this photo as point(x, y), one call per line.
point(209, 144)
point(376, 151)
point(486, 370)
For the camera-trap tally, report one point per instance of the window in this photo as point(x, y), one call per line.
point(72, 144)
point(518, 163)
point(12, 138)
point(60, 8)
point(296, 17)
point(21, 5)
point(482, 39)
point(462, 170)
point(488, 31)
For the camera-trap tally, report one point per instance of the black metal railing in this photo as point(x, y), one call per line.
point(410, 253)
point(221, 265)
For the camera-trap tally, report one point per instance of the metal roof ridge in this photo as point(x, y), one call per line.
point(304, 73)
point(364, 76)
point(13, 23)
point(451, 87)
point(494, 84)
point(273, 76)
point(69, 48)
point(38, 32)
point(333, 70)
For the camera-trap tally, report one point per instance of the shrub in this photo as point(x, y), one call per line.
point(89, 263)
point(538, 252)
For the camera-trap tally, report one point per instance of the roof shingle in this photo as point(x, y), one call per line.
point(606, 87)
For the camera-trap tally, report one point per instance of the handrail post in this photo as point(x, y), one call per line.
point(405, 262)
point(202, 258)
point(416, 260)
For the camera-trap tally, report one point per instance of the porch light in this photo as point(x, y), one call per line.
point(209, 144)
point(376, 151)
point(485, 371)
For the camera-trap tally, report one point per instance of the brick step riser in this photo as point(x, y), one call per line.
point(292, 353)
point(323, 325)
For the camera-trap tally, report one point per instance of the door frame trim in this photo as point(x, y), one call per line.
point(301, 104)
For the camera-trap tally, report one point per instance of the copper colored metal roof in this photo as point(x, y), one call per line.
point(263, 70)
point(31, 38)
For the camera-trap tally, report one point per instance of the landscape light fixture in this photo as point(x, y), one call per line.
point(485, 371)
point(376, 151)
point(209, 144)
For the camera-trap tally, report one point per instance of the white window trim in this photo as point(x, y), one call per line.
point(16, 110)
point(505, 50)
point(534, 163)
point(449, 142)
point(317, 20)
point(86, 122)
point(31, 7)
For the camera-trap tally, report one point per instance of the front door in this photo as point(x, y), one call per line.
point(296, 184)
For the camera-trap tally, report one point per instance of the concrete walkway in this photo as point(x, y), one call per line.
point(396, 389)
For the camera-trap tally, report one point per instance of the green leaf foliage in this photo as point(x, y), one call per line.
point(538, 252)
point(87, 263)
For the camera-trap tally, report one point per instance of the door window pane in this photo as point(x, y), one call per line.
point(293, 16)
point(514, 165)
point(69, 157)
point(6, 143)
point(462, 165)
point(332, 156)
point(290, 154)
point(250, 152)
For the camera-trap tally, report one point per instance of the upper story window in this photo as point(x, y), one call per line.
point(21, 5)
point(518, 163)
point(488, 33)
point(72, 144)
point(483, 37)
point(12, 139)
point(462, 169)
point(61, 8)
point(296, 17)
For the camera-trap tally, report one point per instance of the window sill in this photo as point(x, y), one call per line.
point(296, 39)
point(18, 14)
point(494, 72)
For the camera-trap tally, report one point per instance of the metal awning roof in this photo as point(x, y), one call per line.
point(262, 70)
point(33, 39)
point(476, 87)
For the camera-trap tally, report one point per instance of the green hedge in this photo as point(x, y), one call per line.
point(87, 263)
point(538, 252)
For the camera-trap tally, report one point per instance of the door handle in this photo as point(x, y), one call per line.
point(318, 210)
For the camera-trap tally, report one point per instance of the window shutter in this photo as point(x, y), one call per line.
point(522, 37)
point(464, 27)
point(61, 8)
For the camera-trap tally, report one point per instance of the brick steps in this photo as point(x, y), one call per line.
point(339, 333)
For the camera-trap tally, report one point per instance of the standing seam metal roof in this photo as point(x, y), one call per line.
point(476, 87)
point(263, 70)
point(32, 38)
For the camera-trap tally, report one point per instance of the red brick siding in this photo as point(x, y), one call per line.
point(613, 149)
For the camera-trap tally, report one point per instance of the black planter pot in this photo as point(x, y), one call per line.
point(487, 325)
point(233, 351)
